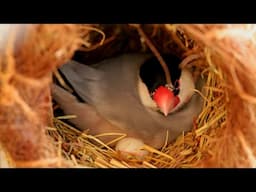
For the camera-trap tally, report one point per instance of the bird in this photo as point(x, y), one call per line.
point(114, 96)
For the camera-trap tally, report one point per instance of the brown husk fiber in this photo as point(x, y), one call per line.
point(223, 135)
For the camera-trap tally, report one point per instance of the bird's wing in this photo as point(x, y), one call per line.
point(87, 118)
point(82, 78)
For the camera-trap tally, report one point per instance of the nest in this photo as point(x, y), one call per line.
point(223, 134)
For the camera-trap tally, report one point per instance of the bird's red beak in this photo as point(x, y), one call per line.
point(165, 99)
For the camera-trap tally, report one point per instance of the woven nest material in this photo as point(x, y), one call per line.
point(223, 134)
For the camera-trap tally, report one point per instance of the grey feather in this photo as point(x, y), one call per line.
point(110, 87)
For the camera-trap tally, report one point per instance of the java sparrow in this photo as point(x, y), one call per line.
point(112, 97)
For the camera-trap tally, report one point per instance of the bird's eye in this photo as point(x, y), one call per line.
point(176, 88)
point(176, 84)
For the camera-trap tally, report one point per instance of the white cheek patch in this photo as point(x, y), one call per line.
point(145, 97)
point(187, 87)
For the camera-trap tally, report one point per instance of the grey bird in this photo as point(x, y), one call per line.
point(113, 98)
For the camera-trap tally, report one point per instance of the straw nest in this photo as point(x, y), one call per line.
point(223, 134)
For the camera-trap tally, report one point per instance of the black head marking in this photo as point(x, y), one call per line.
point(152, 74)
